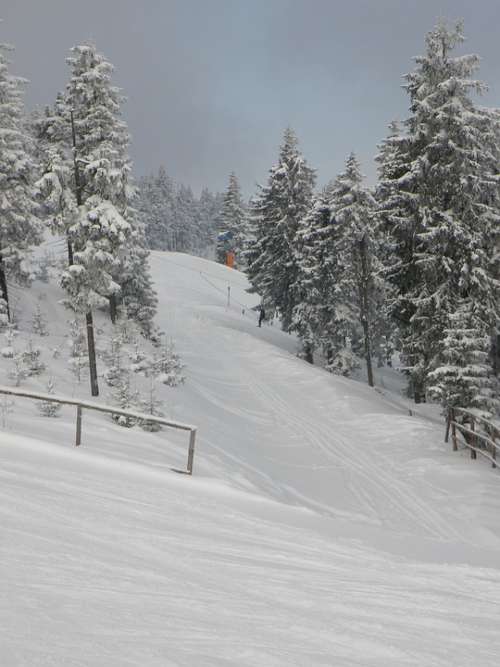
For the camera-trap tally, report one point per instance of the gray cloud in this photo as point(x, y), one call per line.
point(212, 83)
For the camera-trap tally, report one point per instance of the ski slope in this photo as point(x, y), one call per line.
point(323, 524)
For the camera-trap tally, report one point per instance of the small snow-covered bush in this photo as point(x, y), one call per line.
point(49, 408)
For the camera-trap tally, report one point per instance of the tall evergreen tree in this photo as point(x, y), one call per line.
point(443, 205)
point(359, 284)
point(20, 229)
point(277, 211)
point(315, 290)
point(107, 236)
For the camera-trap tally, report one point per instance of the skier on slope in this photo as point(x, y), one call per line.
point(262, 315)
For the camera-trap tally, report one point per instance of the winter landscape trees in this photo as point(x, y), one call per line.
point(356, 273)
point(415, 263)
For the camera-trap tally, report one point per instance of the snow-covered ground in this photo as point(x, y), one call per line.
point(324, 525)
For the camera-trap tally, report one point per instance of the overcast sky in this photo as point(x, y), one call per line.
point(211, 84)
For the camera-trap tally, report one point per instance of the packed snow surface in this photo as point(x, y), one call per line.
point(323, 524)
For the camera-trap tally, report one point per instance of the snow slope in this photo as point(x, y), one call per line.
point(323, 524)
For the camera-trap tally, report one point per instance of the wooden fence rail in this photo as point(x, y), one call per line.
point(87, 405)
point(477, 433)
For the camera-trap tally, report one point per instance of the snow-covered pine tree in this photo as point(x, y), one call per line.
point(464, 377)
point(156, 203)
point(233, 224)
point(359, 286)
point(102, 188)
point(314, 288)
point(55, 187)
point(138, 295)
point(186, 227)
point(20, 229)
point(276, 212)
point(446, 226)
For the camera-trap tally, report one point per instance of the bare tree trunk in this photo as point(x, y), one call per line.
point(4, 292)
point(94, 387)
point(70, 253)
point(365, 309)
point(112, 308)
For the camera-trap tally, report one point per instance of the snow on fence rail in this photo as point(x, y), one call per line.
point(477, 433)
point(87, 405)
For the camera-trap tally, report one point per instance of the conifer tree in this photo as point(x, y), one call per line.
point(464, 377)
point(277, 211)
point(441, 205)
point(359, 284)
point(20, 229)
point(233, 224)
point(315, 287)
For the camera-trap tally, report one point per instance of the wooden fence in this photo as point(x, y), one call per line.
point(478, 434)
point(85, 405)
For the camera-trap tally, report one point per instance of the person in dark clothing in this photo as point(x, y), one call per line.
point(262, 315)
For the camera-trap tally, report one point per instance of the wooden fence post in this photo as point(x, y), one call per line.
point(78, 425)
point(453, 430)
point(192, 437)
point(473, 453)
point(448, 422)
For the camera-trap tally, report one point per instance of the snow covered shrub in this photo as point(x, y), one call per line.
point(78, 361)
point(19, 372)
point(126, 398)
point(151, 405)
point(115, 371)
point(49, 408)
point(39, 322)
point(31, 359)
point(167, 365)
point(8, 351)
point(345, 362)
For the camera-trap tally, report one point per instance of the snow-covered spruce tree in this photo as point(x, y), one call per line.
point(20, 229)
point(186, 226)
point(103, 233)
point(55, 186)
point(446, 224)
point(155, 203)
point(232, 224)
point(276, 212)
point(360, 287)
point(464, 378)
point(315, 286)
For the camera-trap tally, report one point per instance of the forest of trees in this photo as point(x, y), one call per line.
point(411, 265)
point(357, 273)
point(174, 219)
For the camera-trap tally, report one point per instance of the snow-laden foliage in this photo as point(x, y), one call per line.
point(439, 203)
point(233, 230)
point(276, 213)
point(20, 229)
point(86, 192)
point(315, 290)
